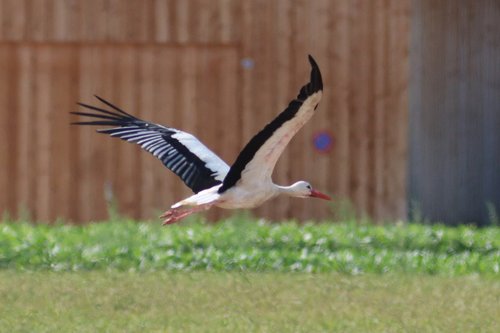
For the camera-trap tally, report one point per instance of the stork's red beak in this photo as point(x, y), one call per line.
point(318, 194)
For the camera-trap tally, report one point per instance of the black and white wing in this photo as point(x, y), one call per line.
point(179, 151)
point(257, 160)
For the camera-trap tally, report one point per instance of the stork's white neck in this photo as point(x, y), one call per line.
point(295, 190)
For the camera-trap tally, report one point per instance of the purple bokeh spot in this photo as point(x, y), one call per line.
point(247, 63)
point(323, 142)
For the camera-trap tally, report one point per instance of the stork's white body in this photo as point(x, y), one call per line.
point(255, 185)
point(247, 183)
point(238, 197)
point(247, 196)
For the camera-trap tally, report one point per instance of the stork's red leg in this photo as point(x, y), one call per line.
point(176, 214)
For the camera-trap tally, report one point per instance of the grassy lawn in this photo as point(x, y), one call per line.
point(246, 245)
point(113, 301)
point(247, 276)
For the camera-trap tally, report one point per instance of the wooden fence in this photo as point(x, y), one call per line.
point(455, 111)
point(219, 69)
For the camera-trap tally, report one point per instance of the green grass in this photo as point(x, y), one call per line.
point(241, 244)
point(113, 301)
point(247, 276)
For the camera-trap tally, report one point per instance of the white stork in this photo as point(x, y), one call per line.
point(247, 183)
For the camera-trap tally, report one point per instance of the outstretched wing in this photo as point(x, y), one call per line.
point(197, 166)
point(258, 158)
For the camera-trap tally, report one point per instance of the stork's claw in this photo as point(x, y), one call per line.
point(169, 221)
point(168, 213)
point(176, 214)
point(170, 216)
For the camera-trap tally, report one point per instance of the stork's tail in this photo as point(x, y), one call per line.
point(201, 198)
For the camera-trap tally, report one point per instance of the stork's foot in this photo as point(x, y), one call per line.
point(176, 214)
point(173, 215)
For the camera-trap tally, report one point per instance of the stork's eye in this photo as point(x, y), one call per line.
point(309, 187)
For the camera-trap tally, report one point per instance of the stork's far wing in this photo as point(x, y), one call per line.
point(257, 160)
point(179, 151)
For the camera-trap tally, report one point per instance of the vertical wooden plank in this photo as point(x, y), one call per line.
point(7, 68)
point(378, 126)
point(209, 113)
point(319, 168)
point(63, 137)
point(205, 24)
point(266, 84)
point(415, 165)
point(187, 119)
point(171, 106)
point(117, 27)
point(218, 122)
point(283, 72)
point(428, 168)
point(42, 137)
point(126, 164)
point(300, 69)
point(91, 163)
point(148, 77)
point(73, 165)
point(258, 78)
point(109, 185)
point(175, 84)
point(397, 113)
point(144, 12)
point(230, 14)
point(249, 76)
point(27, 119)
point(189, 64)
point(13, 124)
point(39, 18)
point(338, 75)
point(422, 195)
point(93, 19)
point(66, 21)
point(165, 111)
point(115, 153)
point(310, 23)
point(359, 75)
point(5, 63)
point(489, 71)
point(227, 101)
point(162, 13)
point(468, 109)
point(183, 22)
point(132, 20)
point(13, 20)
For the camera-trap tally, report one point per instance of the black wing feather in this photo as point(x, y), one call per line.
point(156, 139)
point(246, 155)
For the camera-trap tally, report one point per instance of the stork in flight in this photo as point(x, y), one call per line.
point(247, 183)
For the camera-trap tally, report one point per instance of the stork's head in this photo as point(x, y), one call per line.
point(303, 189)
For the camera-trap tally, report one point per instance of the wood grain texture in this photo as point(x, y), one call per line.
point(221, 69)
point(455, 137)
point(7, 140)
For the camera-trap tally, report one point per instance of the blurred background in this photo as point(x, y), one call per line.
point(408, 128)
